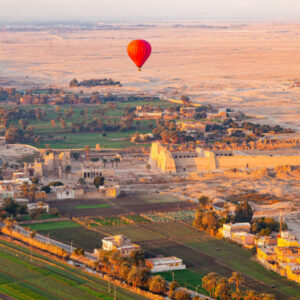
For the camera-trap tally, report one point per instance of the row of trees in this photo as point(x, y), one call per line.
point(94, 82)
point(220, 288)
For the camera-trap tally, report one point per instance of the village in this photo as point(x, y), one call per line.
point(108, 193)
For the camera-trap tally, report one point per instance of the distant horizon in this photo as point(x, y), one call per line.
point(33, 11)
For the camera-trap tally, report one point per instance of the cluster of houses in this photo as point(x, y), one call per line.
point(283, 257)
point(279, 253)
point(125, 247)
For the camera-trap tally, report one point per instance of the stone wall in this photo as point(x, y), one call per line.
point(161, 158)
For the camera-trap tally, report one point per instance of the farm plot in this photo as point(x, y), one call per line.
point(52, 225)
point(171, 216)
point(26, 277)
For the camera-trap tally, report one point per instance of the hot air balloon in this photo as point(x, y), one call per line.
point(139, 51)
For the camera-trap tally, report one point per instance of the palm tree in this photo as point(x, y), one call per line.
point(237, 295)
point(236, 278)
point(251, 295)
point(267, 297)
point(117, 160)
point(223, 289)
point(148, 167)
point(157, 284)
point(87, 151)
point(9, 223)
point(209, 282)
point(32, 234)
point(104, 161)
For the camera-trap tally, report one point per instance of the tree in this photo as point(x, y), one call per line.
point(23, 123)
point(157, 284)
point(267, 297)
point(13, 135)
point(251, 295)
point(135, 277)
point(46, 189)
point(209, 282)
point(243, 212)
point(236, 278)
point(185, 100)
point(223, 289)
point(117, 160)
point(99, 181)
point(204, 202)
point(32, 234)
point(104, 161)
point(9, 223)
point(138, 257)
point(81, 181)
point(148, 167)
point(182, 295)
point(87, 151)
point(68, 169)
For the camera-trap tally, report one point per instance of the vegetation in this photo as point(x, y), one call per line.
point(93, 82)
point(92, 206)
point(264, 226)
point(34, 276)
point(53, 225)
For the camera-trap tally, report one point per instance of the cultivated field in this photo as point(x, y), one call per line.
point(124, 205)
point(43, 278)
point(200, 252)
point(61, 138)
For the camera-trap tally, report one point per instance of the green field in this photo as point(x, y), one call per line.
point(52, 225)
point(45, 278)
point(200, 252)
point(92, 206)
point(186, 278)
point(59, 138)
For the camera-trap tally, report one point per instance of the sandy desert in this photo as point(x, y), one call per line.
point(253, 67)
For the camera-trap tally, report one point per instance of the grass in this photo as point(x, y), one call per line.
point(53, 225)
point(45, 278)
point(92, 206)
point(41, 217)
point(186, 278)
point(110, 221)
point(200, 252)
point(59, 138)
point(137, 218)
point(79, 236)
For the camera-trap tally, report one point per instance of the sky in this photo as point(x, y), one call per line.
point(139, 10)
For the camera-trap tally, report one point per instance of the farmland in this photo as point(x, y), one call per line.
point(200, 252)
point(58, 136)
point(53, 225)
point(39, 277)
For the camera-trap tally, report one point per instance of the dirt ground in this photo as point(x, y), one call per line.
point(123, 205)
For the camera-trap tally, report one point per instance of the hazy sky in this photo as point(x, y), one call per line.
point(124, 10)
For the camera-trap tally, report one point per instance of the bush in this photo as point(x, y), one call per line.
point(46, 189)
point(56, 183)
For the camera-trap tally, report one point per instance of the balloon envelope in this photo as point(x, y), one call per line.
point(139, 51)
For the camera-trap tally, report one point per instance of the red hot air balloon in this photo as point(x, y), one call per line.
point(139, 51)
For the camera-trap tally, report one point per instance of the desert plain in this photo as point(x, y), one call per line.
point(253, 67)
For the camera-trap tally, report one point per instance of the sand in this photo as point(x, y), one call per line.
point(251, 67)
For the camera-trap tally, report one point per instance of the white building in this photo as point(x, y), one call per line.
point(229, 228)
point(120, 243)
point(64, 193)
point(40, 205)
point(164, 264)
